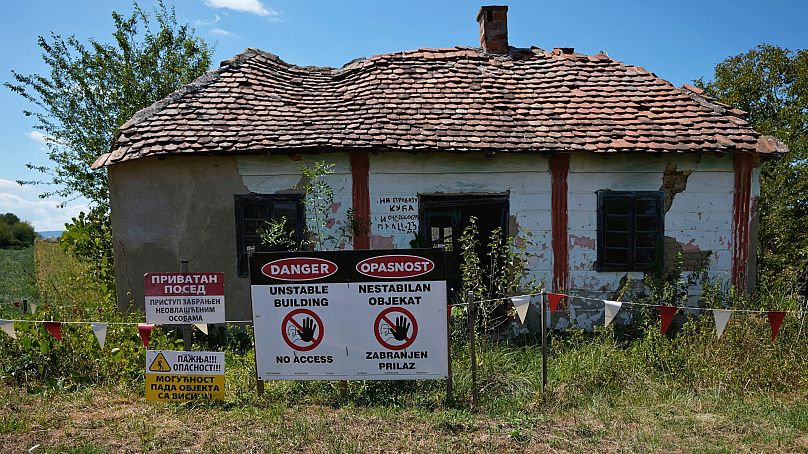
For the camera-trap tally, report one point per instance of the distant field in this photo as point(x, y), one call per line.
point(50, 233)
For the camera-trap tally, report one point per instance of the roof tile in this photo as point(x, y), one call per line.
point(452, 99)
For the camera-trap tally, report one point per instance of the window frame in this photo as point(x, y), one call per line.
point(240, 200)
point(633, 196)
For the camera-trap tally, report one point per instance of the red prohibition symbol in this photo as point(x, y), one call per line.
point(304, 333)
point(395, 328)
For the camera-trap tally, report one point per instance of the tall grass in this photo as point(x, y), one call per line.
point(16, 280)
point(606, 365)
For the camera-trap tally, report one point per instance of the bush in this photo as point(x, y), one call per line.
point(15, 233)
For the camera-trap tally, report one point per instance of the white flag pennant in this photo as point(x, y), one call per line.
point(202, 327)
point(100, 331)
point(610, 308)
point(721, 318)
point(33, 308)
point(521, 304)
point(8, 327)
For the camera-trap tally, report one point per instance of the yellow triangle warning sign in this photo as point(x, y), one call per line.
point(160, 364)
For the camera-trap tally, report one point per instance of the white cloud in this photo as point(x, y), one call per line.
point(207, 23)
point(37, 136)
point(245, 6)
point(43, 214)
point(222, 32)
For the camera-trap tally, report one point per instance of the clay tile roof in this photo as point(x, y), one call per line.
point(453, 99)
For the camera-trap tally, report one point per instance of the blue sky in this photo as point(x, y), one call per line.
point(679, 41)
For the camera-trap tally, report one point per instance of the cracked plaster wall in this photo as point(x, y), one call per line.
point(183, 207)
point(698, 220)
point(178, 208)
point(396, 180)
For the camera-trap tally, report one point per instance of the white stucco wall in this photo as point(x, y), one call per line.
point(699, 218)
point(182, 207)
point(397, 179)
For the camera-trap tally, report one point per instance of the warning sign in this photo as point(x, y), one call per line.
point(302, 330)
point(364, 315)
point(184, 298)
point(184, 376)
point(160, 364)
point(396, 335)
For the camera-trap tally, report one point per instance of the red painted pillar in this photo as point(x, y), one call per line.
point(559, 169)
point(740, 218)
point(360, 190)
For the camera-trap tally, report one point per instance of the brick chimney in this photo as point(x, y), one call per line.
point(493, 29)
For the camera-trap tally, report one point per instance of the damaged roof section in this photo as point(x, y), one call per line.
point(452, 99)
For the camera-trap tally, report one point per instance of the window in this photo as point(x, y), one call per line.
point(252, 213)
point(443, 218)
point(630, 229)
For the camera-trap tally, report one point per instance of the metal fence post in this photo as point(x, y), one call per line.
point(449, 355)
point(543, 343)
point(473, 348)
point(187, 334)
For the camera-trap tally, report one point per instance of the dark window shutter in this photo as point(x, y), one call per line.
point(630, 230)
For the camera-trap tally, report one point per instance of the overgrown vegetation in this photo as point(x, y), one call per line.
point(318, 232)
point(644, 385)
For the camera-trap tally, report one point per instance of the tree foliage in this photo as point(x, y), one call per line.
point(771, 83)
point(92, 89)
point(15, 233)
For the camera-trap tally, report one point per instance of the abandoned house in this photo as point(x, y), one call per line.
point(611, 168)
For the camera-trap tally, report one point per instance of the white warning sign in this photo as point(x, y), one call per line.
point(184, 298)
point(365, 315)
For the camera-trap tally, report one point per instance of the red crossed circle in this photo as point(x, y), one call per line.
point(318, 333)
point(383, 317)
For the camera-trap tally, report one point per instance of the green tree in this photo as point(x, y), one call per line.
point(91, 91)
point(771, 83)
point(15, 233)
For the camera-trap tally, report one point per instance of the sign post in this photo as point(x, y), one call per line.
point(350, 315)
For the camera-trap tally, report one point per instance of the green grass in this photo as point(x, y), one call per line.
point(606, 393)
point(16, 279)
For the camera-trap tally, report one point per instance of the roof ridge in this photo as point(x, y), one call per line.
point(697, 94)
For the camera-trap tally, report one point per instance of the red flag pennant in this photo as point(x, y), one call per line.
point(55, 329)
point(775, 320)
point(145, 329)
point(666, 313)
point(555, 299)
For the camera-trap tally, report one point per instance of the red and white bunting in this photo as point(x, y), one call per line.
point(554, 300)
point(721, 317)
point(100, 331)
point(144, 330)
point(55, 329)
point(610, 310)
point(8, 327)
point(775, 320)
point(666, 314)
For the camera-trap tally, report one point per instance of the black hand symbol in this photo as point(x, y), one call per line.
point(401, 329)
point(307, 333)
